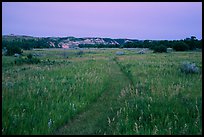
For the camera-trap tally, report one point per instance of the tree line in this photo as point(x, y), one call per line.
point(26, 44)
point(178, 45)
point(16, 46)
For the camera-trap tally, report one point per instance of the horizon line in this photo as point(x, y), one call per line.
point(11, 34)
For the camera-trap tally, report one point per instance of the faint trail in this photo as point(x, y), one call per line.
point(127, 74)
point(95, 117)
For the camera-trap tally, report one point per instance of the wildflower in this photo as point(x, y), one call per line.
point(24, 110)
point(176, 117)
point(136, 127)
point(117, 113)
point(185, 126)
point(150, 98)
point(140, 118)
point(50, 123)
point(170, 130)
point(113, 119)
point(155, 130)
point(148, 106)
point(109, 121)
point(136, 92)
point(74, 108)
point(120, 110)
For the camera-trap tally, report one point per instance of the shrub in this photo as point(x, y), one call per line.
point(160, 48)
point(80, 53)
point(11, 50)
point(169, 50)
point(29, 60)
point(33, 61)
point(119, 53)
point(29, 56)
point(180, 46)
point(141, 52)
point(19, 61)
point(188, 67)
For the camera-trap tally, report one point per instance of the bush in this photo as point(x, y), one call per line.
point(33, 61)
point(80, 53)
point(160, 48)
point(11, 50)
point(19, 61)
point(30, 56)
point(180, 46)
point(29, 60)
point(119, 53)
point(188, 67)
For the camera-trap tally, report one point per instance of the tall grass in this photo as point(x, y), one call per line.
point(37, 99)
point(160, 99)
point(163, 101)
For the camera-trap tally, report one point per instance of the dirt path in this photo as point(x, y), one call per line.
point(94, 119)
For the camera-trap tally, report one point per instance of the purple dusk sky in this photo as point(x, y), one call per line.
point(134, 20)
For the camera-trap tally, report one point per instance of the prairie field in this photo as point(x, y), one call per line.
point(95, 91)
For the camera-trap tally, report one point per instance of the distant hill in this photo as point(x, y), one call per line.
point(59, 42)
point(30, 42)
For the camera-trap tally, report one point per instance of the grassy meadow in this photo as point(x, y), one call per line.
point(95, 91)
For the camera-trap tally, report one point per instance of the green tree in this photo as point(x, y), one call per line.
point(191, 42)
point(160, 48)
point(11, 50)
point(180, 46)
